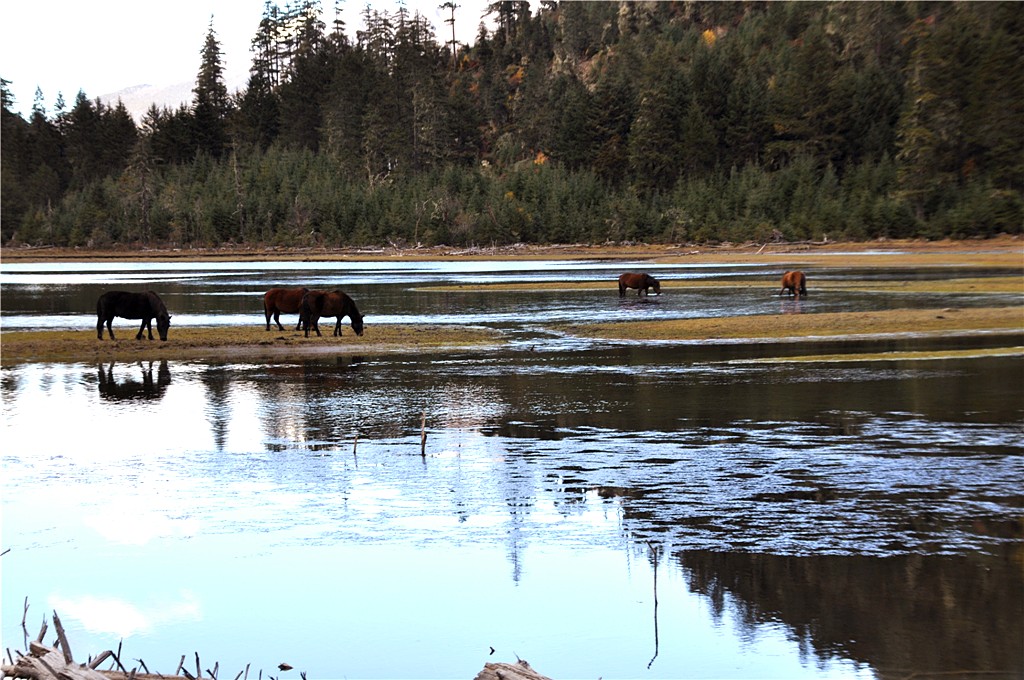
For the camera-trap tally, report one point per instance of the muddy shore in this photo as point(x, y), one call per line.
point(1001, 251)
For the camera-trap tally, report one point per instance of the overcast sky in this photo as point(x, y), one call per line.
point(106, 46)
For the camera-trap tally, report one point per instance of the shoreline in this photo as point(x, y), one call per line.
point(1000, 327)
point(998, 251)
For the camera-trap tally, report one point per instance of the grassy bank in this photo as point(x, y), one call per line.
point(796, 326)
point(253, 343)
point(229, 343)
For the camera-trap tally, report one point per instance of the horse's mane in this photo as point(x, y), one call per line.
point(157, 303)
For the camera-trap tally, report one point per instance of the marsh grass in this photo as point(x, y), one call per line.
point(796, 326)
point(1016, 350)
point(234, 342)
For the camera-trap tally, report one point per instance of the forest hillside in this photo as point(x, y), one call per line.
point(567, 122)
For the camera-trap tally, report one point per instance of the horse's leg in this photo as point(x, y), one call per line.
point(277, 319)
point(99, 327)
point(337, 327)
point(142, 327)
point(266, 312)
point(110, 328)
point(622, 290)
point(312, 322)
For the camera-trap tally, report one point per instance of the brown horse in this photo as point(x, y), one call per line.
point(287, 300)
point(795, 283)
point(318, 303)
point(642, 282)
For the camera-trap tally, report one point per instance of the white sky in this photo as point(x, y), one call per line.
point(105, 46)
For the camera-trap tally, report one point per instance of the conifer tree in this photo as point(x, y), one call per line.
point(308, 80)
point(210, 104)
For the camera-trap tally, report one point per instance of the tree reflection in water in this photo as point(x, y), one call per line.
point(901, 614)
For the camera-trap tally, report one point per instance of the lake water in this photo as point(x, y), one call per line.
point(599, 509)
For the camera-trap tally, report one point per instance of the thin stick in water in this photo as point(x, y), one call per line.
point(423, 435)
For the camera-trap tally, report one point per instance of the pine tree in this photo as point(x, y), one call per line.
point(82, 141)
point(211, 105)
point(925, 125)
point(257, 119)
point(301, 95)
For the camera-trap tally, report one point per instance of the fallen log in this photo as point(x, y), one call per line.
point(520, 670)
point(57, 662)
point(47, 663)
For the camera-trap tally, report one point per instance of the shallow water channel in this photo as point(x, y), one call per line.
point(599, 509)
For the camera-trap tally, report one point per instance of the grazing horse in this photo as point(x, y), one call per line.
point(639, 281)
point(146, 306)
point(318, 303)
point(287, 300)
point(795, 283)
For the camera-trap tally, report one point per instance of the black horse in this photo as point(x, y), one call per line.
point(146, 306)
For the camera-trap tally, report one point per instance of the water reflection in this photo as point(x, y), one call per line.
point(920, 615)
point(800, 502)
point(124, 387)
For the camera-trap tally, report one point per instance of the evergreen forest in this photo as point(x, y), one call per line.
point(565, 122)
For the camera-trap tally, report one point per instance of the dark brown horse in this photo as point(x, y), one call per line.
point(318, 303)
point(795, 283)
point(146, 306)
point(287, 300)
point(642, 282)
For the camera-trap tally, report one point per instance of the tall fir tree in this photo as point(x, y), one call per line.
point(211, 105)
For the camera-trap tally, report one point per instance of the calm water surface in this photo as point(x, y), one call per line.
point(602, 510)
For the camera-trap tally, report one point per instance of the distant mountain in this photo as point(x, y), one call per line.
point(138, 98)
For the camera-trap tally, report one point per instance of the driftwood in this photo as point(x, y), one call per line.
point(520, 670)
point(57, 663)
point(47, 663)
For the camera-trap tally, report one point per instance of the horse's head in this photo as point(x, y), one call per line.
point(163, 322)
point(357, 323)
point(656, 285)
